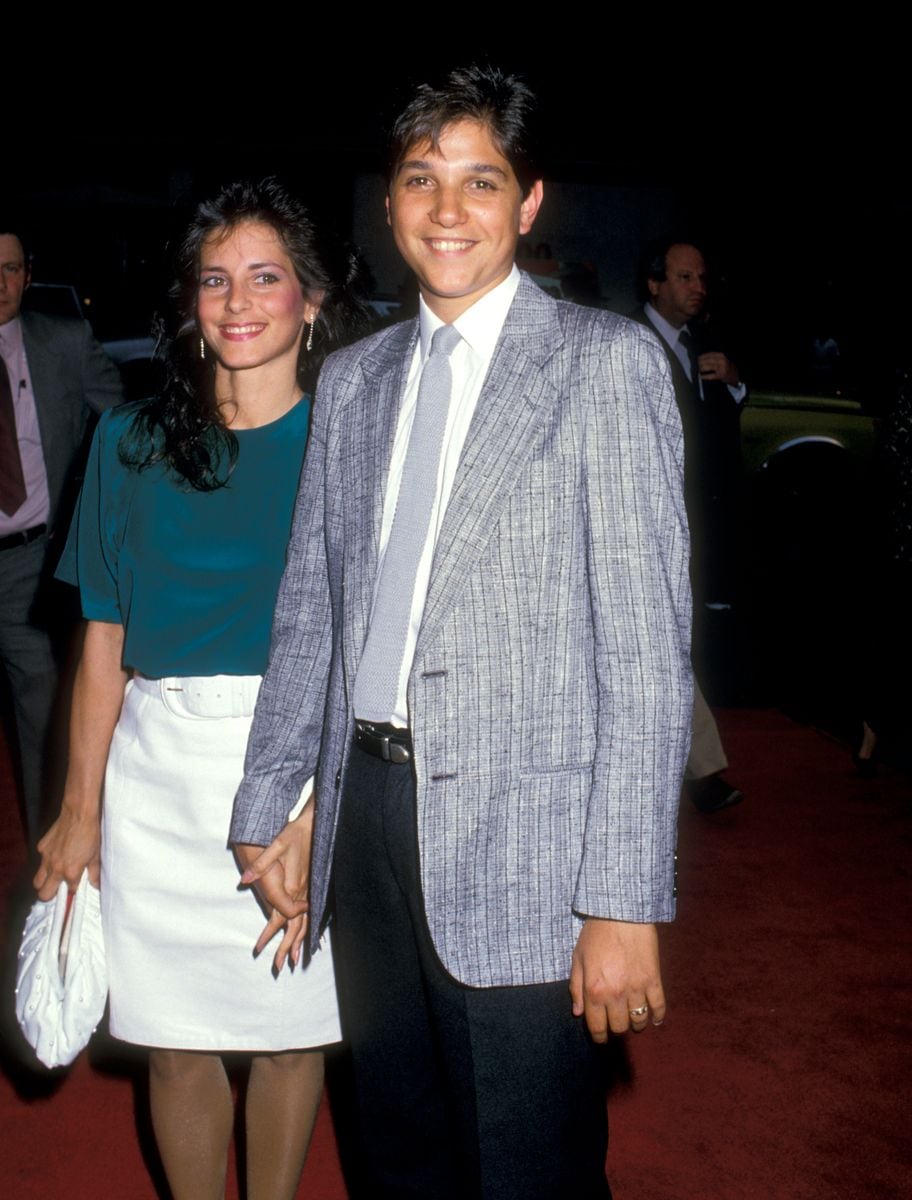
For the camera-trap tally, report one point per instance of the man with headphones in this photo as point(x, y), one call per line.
point(709, 392)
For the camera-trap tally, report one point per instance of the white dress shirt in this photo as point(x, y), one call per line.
point(479, 327)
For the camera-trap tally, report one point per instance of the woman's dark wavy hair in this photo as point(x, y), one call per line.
point(182, 427)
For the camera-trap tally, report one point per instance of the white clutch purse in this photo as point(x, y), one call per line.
point(61, 976)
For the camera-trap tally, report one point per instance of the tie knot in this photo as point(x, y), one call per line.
point(685, 338)
point(445, 340)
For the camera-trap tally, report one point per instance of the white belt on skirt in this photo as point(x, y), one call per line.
point(204, 697)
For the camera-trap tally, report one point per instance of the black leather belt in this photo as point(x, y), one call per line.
point(388, 742)
point(22, 538)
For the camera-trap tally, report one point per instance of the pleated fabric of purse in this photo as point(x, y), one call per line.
point(61, 977)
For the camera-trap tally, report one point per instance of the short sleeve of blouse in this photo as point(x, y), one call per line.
point(90, 558)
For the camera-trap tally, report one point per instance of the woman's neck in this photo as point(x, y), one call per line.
point(257, 396)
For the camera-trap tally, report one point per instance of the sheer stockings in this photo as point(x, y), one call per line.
point(283, 1095)
point(193, 1116)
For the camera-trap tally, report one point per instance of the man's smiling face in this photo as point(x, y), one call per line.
point(457, 213)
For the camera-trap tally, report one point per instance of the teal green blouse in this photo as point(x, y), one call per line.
point(192, 576)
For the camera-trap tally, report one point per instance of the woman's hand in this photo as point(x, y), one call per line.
point(281, 875)
point(71, 844)
point(289, 948)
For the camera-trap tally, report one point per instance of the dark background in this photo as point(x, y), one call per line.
point(779, 142)
point(782, 147)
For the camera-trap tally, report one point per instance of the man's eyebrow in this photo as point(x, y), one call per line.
point(479, 168)
point(488, 169)
point(414, 164)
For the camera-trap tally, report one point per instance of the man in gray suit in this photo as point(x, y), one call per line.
point(53, 376)
point(481, 651)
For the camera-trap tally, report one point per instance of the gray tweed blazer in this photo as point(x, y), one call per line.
point(549, 697)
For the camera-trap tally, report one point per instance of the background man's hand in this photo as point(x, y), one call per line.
point(718, 366)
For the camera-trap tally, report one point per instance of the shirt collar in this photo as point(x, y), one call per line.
point(479, 325)
point(11, 337)
point(665, 328)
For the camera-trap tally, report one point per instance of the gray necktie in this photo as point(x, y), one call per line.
point(377, 681)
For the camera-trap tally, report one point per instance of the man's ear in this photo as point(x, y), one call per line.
point(653, 286)
point(528, 210)
point(388, 221)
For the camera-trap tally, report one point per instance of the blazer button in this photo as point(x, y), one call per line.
point(338, 777)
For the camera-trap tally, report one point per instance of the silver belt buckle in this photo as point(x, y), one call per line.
point(394, 752)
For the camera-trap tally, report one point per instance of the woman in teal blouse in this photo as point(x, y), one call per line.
point(177, 549)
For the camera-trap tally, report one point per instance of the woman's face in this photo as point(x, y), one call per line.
point(251, 308)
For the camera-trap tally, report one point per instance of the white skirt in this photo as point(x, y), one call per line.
point(179, 934)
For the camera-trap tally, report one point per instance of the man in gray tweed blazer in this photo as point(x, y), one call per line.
point(500, 826)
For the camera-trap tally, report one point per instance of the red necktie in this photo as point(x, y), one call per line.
point(12, 481)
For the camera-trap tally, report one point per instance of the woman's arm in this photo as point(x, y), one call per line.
point(73, 841)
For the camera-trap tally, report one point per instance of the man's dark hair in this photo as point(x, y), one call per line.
point(15, 226)
point(502, 103)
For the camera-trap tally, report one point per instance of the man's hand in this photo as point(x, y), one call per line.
point(281, 874)
point(717, 366)
point(615, 980)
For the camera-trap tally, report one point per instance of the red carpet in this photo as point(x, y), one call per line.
point(782, 1072)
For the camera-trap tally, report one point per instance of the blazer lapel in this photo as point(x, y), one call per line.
point(513, 406)
point(44, 370)
point(374, 413)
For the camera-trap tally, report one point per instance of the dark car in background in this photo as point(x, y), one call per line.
point(133, 356)
point(789, 640)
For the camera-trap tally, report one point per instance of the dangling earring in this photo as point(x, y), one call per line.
point(202, 348)
point(310, 336)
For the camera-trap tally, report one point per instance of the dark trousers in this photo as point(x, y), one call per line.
point(27, 655)
point(460, 1092)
